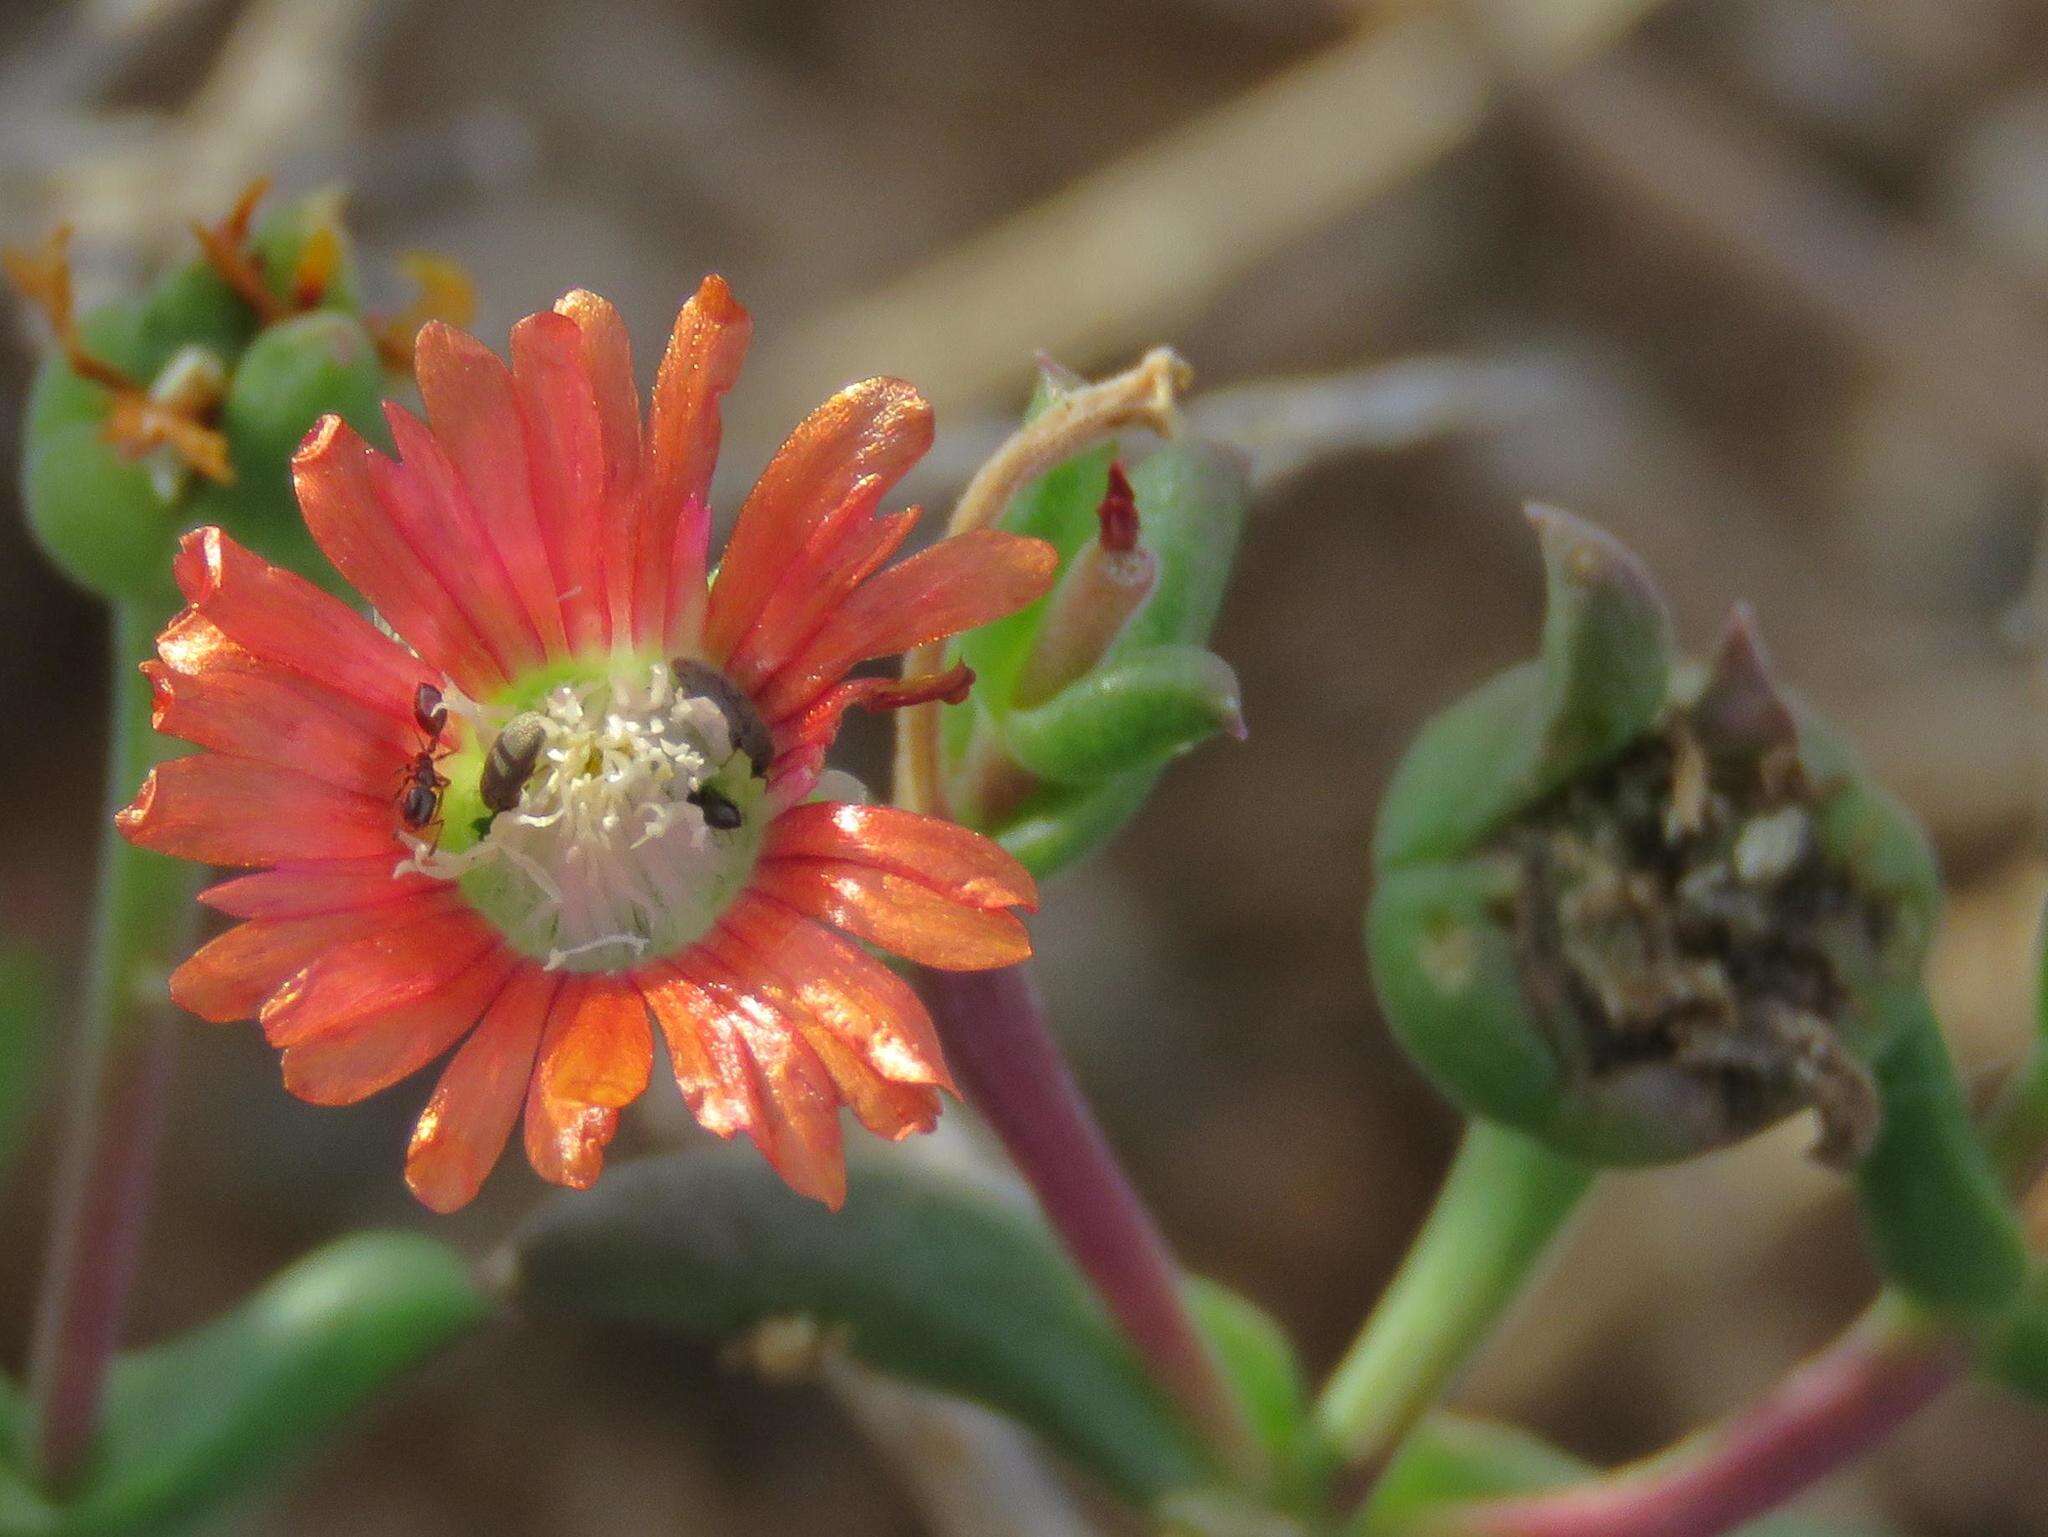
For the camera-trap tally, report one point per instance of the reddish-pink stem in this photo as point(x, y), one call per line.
point(1829, 1412)
point(121, 1063)
point(1010, 1069)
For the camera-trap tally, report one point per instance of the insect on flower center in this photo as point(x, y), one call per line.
point(610, 820)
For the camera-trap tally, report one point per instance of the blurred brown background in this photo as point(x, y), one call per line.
point(1761, 283)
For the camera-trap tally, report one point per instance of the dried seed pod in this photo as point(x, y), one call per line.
point(1639, 912)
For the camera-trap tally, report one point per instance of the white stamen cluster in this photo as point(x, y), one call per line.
point(605, 861)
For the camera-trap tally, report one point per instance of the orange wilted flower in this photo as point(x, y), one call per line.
point(575, 792)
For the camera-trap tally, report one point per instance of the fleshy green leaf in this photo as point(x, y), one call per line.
point(2017, 1355)
point(1128, 714)
point(2019, 1126)
point(928, 1280)
point(1938, 1218)
point(1059, 825)
point(1259, 1362)
point(1452, 1458)
point(194, 1421)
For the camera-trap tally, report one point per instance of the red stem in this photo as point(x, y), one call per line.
point(120, 1064)
point(1828, 1413)
point(102, 1202)
point(1008, 1066)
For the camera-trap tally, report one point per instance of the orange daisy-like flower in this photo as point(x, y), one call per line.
point(570, 790)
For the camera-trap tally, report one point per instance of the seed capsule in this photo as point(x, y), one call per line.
point(510, 762)
point(743, 722)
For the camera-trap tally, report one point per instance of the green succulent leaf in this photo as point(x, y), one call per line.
point(2016, 1354)
point(1059, 826)
point(1128, 714)
point(1454, 1458)
point(1193, 497)
point(1259, 1362)
point(924, 1278)
point(2019, 1124)
point(1939, 1221)
point(1074, 768)
point(192, 1422)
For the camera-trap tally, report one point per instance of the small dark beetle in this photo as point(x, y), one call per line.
point(743, 722)
point(510, 762)
point(719, 812)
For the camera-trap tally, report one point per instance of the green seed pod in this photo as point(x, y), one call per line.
point(294, 373)
point(184, 405)
point(100, 518)
point(1640, 911)
point(1081, 699)
point(281, 248)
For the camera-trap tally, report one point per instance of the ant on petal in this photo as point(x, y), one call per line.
point(419, 802)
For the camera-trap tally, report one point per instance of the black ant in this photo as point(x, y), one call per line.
point(419, 803)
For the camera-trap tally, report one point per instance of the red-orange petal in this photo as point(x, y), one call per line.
point(885, 1104)
point(565, 1138)
point(845, 989)
point(958, 584)
point(394, 967)
point(463, 1130)
point(799, 1129)
point(228, 977)
point(427, 501)
point(846, 549)
point(280, 617)
point(702, 362)
point(475, 414)
point(310, 889)
point(235, 811)
point(900, 915)
point(211, 692)
point(607, 357)
point(395, 557)
point(566, 441)
point(712, 1067)
point(372, 1053)
point(603, 1055)
point(952, 860)
point(879, 428)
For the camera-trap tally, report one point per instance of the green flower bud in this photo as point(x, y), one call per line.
point(1082, 699)
point(1639, 911)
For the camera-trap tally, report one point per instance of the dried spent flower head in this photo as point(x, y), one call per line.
point(1677, 923)
point(1640, 910)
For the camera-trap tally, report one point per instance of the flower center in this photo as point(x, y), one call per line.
point(610, 821)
